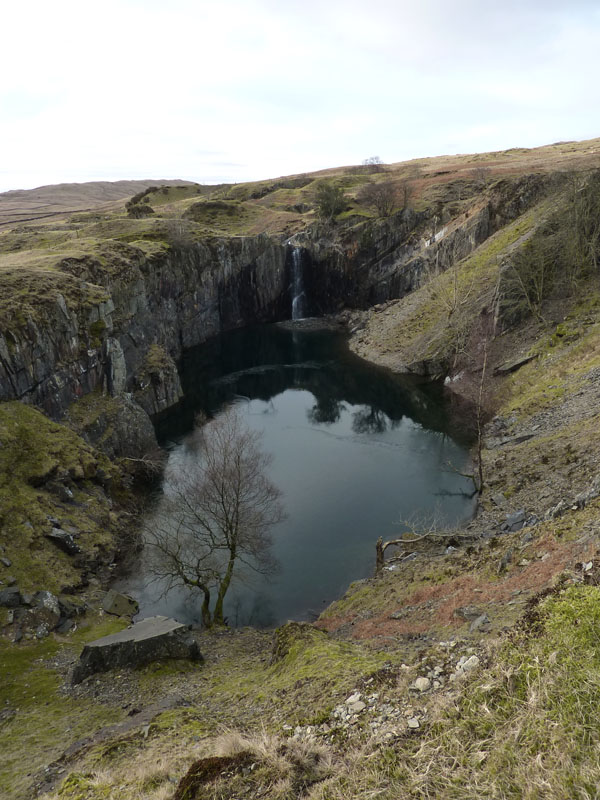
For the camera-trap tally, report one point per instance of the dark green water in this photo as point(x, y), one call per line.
point(356, 451)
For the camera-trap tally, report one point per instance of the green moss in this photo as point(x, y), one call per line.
point(562, 364)
point(45, 721)
point(354, 598)
point(157, 359)
point(524, 728)
point(80, 786)
point(189, 723)
point(37, 458)
point(97, 331)
point(86, 410)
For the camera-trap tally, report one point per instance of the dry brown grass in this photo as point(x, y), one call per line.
point(29, 204)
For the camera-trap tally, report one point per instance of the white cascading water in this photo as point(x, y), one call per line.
point(298, 296)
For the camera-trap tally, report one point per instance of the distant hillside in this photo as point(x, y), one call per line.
point(26, 204)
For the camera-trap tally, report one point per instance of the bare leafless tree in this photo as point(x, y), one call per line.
point(382, 196)
point(406, 191)
point(178, 233)
point(481, 176)
point(217, 515)
point(373, 164)
point(419, 530)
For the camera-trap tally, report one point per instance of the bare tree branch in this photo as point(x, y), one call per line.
point(216, 516)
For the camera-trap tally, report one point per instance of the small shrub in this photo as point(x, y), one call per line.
point(139, 211)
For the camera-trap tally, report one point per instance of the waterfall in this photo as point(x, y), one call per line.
point(298, 295)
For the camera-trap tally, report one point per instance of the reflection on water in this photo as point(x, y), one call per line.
point(356, 450)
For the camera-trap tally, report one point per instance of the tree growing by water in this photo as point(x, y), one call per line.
point(216, 518)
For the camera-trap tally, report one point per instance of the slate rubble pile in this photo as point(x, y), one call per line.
point(36, 615)
point(390, 711)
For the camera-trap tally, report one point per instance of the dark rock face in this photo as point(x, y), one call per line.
point(149, 640)
point(181, 296)
point(177, 298)
point(395, 256)
point(125, 431)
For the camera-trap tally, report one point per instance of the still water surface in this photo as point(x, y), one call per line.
point(356, 450)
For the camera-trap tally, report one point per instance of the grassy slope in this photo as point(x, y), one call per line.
point(27, 204)
point(37, 457)
point(39, 721)
point(280, 207)
point(480, 740)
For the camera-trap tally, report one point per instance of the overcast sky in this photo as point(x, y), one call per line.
point(235, 90)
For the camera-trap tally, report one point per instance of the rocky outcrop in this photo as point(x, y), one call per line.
point(99, 338)
point(97, 323)
point(387, 259)
point(36, 615)
point(151, 639)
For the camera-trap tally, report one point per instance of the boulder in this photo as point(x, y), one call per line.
point(468, 613)
point(11, 597)
point(152, 639)
point(512, 366)
point(42, 617)
point(63, 540)
point(514, 522)
point(505, 561)
point(121, 605)
point(422, 684)
point(48, 601)
point(65, 626)
point(71, 607)
point(479, 623)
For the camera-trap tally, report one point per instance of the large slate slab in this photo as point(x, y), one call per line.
point(152, 639)
point(514, 365)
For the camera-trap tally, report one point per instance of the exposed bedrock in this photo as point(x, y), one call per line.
point(136, 315)
point(388, 259)
point(118, 321)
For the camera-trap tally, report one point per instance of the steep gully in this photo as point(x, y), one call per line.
point(147, 309)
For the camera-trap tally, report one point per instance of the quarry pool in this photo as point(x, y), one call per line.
point(356, 450)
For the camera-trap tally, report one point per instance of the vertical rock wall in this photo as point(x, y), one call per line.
point(101, 338)
point(99, 330)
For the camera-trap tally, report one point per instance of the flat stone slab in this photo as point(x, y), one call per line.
point(513, 366)
point(152, 639)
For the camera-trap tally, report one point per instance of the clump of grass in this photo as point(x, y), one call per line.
point(528, 728)
point(44, 721)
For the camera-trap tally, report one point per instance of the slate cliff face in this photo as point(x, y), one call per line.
point(120, 318)
point(173, 298)
point(388, 259)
